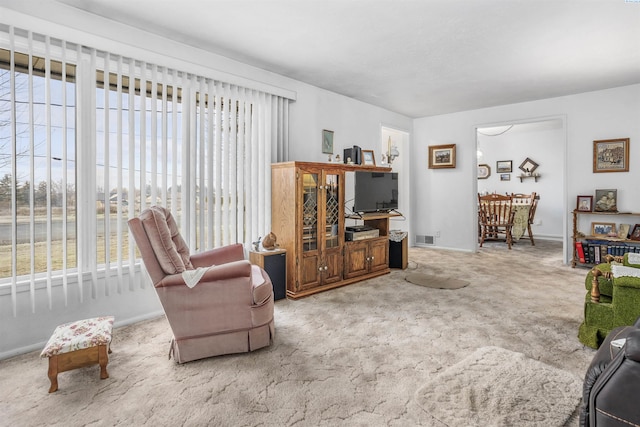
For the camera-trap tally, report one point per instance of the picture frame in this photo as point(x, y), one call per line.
point(484, 171)
point(606, 200)
point(611, 155)
point(505, 177)
point(528, 166)
point(623, 231)
point(503, 166)
point(584, 203)
point(635, 234)
point(603, 229)
point(442, 156)
point(327, 141)
point(368, 158)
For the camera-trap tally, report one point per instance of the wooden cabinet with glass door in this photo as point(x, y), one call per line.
point(307, 216)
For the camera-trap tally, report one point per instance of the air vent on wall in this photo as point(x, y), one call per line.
point(424, 240)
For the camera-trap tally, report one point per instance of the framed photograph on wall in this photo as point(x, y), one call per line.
point(606, 201)
point(505, 177)
point(368, 158)
point(442, 156)
point(584, 204)
point(603, 229)
point(484, 171)
point(611, 155)
point(503, 166)
point(327, 141)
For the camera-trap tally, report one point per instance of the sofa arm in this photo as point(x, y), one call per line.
point(218, 256)
point(227, 271)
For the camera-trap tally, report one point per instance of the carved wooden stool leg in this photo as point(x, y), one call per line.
point(53, 373)
point(103, 359)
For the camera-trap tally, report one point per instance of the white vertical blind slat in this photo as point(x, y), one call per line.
point(32, 231)
point(14, 169)
point(131, 168)
point(65, 179)
point(106, 161)
point(48, 159)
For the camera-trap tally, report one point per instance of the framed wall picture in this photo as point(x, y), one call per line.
point(484, 171)
point(368, 158)
point(606, 201)
point(603, 229)
point(327, 141)
point(635, 234)
point(503, 166)
point(442, 156)
point(584, 203)
point(611, 155)
point(505, 177)
point(528, 166)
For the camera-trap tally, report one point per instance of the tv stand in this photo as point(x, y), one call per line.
point(308, 216)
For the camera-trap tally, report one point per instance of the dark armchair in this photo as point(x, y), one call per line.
point(612, 382)
point(216, 302)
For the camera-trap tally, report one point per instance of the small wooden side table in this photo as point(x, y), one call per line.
point(275, 264)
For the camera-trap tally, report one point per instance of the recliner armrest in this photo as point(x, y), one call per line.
point(218, 256)
point(226, 271)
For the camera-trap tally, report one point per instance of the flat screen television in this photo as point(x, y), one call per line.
point(375, 191)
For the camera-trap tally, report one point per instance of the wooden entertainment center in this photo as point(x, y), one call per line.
point(308, 218)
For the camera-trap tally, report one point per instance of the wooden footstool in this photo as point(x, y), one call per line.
point(79, 344)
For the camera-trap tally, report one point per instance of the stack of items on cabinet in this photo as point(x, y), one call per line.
point(612, 299)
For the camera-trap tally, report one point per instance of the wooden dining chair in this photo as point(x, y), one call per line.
point(495, 217)
point(530, 200)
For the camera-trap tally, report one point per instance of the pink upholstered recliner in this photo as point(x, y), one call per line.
point(228, 310)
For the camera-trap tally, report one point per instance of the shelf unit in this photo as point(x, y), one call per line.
point(308, 217)
point(594, 247)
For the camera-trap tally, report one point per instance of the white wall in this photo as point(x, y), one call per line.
point(534, 142)
point(445, 200)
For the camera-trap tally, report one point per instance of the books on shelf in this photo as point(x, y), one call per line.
point(594, 251)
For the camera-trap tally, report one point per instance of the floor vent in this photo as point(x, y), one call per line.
point(424, 240)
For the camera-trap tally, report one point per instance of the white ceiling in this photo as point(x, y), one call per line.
point(418, 58)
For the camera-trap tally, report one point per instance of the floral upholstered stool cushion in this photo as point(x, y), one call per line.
point(79, 344)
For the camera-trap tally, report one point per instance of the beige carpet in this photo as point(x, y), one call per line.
point(498, 387)
point(353, 356)
point(437, 282)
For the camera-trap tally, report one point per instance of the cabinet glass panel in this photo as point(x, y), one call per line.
point(310, 212)
point(332, 214)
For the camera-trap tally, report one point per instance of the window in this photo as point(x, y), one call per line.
point(37, 165)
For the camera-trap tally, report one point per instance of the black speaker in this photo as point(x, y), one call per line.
point(354, 153)
point(276, 267)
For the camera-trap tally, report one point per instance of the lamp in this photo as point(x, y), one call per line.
point(392, 152)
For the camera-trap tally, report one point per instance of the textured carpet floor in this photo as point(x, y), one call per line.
point(437, 282)
point(498, 387)
point(353, 356)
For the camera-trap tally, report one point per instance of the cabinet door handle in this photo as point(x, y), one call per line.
point(326, 268)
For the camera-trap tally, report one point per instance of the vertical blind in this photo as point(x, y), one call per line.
point(146, 135)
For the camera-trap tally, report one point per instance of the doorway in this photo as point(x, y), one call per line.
point(525, 157)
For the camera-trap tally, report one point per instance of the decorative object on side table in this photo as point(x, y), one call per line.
point(611, 155)
point(270, 242)
point(484, 171)
point(584, 203)
point(327, 141)
point(442, 156)
point(606, 200)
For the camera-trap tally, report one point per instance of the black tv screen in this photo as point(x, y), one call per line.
point(375, 191)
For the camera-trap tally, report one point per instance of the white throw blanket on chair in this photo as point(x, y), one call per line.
point(192, 277)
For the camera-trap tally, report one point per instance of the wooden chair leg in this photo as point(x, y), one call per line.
point(103, 360)
point(530, 234)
